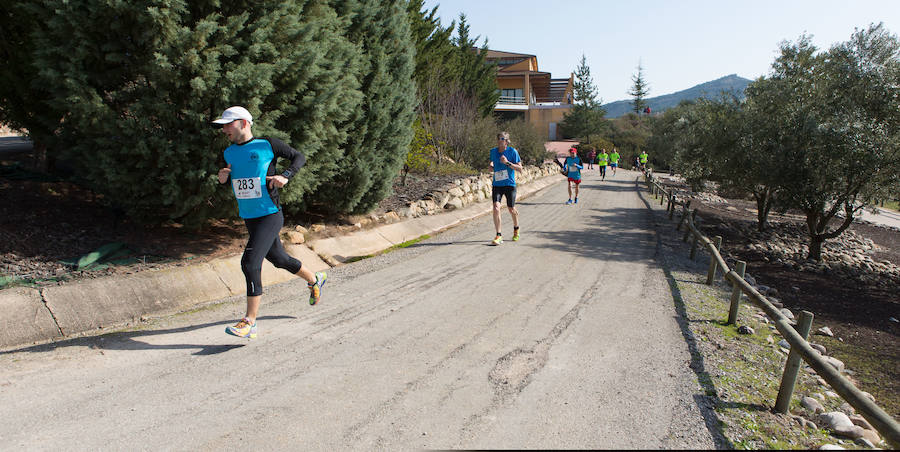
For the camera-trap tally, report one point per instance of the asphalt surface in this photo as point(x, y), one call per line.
point(566, 339)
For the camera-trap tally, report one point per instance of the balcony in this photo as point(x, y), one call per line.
point(508, 103)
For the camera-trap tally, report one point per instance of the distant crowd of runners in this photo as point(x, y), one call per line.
point(251, 170)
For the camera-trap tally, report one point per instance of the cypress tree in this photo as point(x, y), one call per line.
point(140, 81)
point(380, 137)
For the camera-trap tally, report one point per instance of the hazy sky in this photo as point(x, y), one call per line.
point(680, 43)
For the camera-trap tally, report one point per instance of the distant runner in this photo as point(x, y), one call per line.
point(251, 169)
point(614, 160)
point(643, 158)
point(505, 161)
point(573, 166)
point(591, 157)
point(602, 161)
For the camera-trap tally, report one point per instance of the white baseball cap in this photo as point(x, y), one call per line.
point(233, 114)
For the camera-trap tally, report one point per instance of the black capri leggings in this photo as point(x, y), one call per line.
point(264, 243)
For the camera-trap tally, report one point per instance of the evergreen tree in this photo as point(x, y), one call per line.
point(139, 83)
point(378, 144)
point(639, 90)
point(476, 77)
point(19, 99)
point(434, 47)
point(586, 116)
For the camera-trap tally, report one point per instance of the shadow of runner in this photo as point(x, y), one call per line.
point(127, 340)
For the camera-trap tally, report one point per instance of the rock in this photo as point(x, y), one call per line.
point(787, 313)
point(818, 347)
point(810, 424)
point(813, 405)
point(454, 203)
point(825, 331)
point(784, 344)
point(762, 289)
point(744, 329)
point(750, 280)
point(817, 395)
point(861, 421)
point(456, 192)
point(830, 447)
point(872, 436)
point(868, 396)
point(831, 394)
point(296, 237)
point(776, 302)
point(770, 339)
point(840, 424)
point(836, 363)
point(864, 442)
point(301, 229)
point(892, 319)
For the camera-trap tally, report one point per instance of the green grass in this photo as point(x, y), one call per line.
point(892, 205)
point(742, 373)
point(398, 246)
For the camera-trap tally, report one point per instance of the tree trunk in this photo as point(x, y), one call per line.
point(763, 206)
point(40, 157)
point(815, 248)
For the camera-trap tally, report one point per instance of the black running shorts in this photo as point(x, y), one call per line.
point(497, 193)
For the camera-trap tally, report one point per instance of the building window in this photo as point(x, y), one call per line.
point(512, 96)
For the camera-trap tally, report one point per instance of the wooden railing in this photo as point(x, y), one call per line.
point(796, 337)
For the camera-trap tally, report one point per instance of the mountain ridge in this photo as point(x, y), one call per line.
point(711, 89)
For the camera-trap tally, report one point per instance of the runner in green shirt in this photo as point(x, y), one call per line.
point(614, 160)
point(643, 158)
point(602, 161)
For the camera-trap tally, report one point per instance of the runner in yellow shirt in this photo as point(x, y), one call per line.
point(602, 161)
point(614, 160)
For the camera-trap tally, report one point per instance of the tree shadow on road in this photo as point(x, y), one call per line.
point(126, 340)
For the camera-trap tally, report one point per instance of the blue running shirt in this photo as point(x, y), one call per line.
point(250, 163)
point(573, 164)
point(504, 176)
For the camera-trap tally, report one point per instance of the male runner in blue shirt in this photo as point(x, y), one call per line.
point(251, 169)
point(505, 161)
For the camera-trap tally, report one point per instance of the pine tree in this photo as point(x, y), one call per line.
point(377, 146)
point(639, 90)
point(586, 116)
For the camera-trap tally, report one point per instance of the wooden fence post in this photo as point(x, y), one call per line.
point(713, 265)
point(792, 367)
point(671, 206)
point(693, 247)
point(684, 214)
point(736, 293)
point(661, 196)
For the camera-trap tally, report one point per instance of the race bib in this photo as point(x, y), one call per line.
point(501, 175)
point(247, 188)
point(573, 168)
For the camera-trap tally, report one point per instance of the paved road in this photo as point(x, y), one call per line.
point(566, 339)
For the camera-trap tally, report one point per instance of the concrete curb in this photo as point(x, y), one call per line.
point(33, 316)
